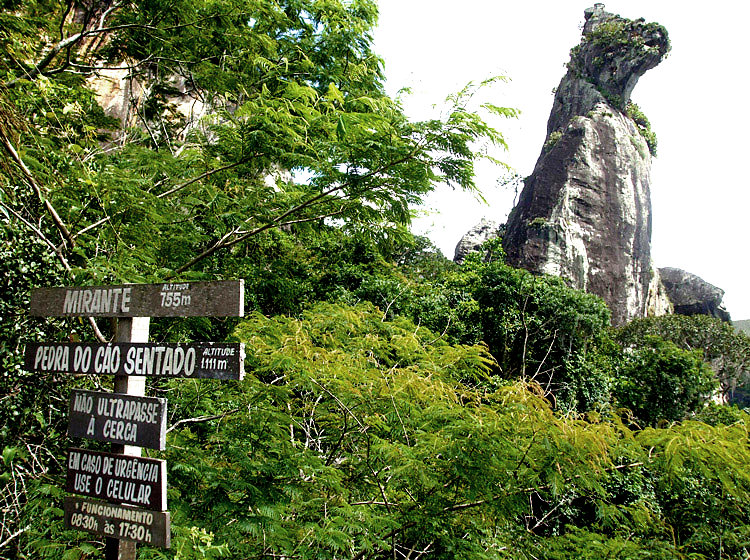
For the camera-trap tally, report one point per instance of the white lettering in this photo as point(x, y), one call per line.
point(91, 463)
point(121, 431)
point(96, 301)
point(74, 460)
point(139, 360)
point(129, 366)
point(190, 361)
point(126, 299)
point(82, 483)
point(106, 301)
point(83, 403)
point(167, 364)
point(71, 301)
point(87, 297)
point(38, 357)
point(115, 297)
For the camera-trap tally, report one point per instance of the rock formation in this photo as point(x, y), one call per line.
point(123, 96)
point(692, 295)
point(585, 211)
point(475, 237)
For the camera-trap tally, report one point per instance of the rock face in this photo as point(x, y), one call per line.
point(585, 212)
point(122, 96)
point(692, 295)
point(473, 239)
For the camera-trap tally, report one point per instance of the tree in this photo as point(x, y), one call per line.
point(540, 329)
point(659, 381)
point(291, 87)
point(354, 437)
point(726, 350)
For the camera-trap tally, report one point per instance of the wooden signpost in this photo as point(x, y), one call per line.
point(118, 521)
point(122, 479)
point(189, 299)
point(203, 359)
point(135, 488)
point(114, 418)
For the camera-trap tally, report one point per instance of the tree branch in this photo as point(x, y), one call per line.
point(165, 194)
point(200, 419)
point(68, 42)
point(13, 536)
point(34, 185)
point(58, 253)
point(202, 176)
point(224, 242)
point(40, 235)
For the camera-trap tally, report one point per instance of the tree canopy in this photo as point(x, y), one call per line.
point(239, 117)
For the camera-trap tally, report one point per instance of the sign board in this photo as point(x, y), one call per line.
point(118, 418)
point(123, 479)
point(118, 521)
point(204, 359)
point(187, 299)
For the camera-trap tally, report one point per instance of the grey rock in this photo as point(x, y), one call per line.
point(585, 211)
point(475, 237)
point(691, 295)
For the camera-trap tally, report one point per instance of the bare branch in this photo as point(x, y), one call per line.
point(97, 333)
point(202, 176)
point(92, 226)
point(13, 536)
point(201, 419)
point(40, 235)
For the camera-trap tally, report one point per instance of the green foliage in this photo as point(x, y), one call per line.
point(296, 129)
point(33, 414)
point(724, 349)
point(715, 414)
point(538, 222)
point(643, 125)
point(617, 33)
point(396, 404)
point(702, 482)
point(553, 139)
point(587, 545)
point(659, 381)
point(617, 37)
point(354, 439)
point(539, 329)
point(614, 49)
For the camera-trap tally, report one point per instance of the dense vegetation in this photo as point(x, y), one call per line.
point(396, 405)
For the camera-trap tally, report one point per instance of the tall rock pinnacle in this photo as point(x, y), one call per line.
point(585, 212)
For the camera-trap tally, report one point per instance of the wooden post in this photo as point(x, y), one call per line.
point(129, 329)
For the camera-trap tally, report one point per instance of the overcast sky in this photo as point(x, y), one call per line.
point(696, 101)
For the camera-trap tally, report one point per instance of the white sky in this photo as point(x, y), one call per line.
point(696, 100)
